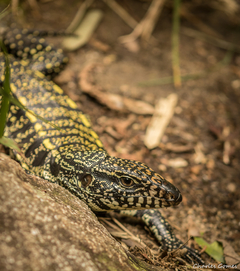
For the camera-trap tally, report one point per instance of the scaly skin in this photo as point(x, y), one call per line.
point(73, 156)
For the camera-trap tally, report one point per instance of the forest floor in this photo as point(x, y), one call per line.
point(200, 150)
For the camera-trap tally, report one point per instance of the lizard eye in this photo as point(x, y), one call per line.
point(86, 180)
point(126, 181)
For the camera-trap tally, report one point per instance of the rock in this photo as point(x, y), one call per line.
point(45, 227)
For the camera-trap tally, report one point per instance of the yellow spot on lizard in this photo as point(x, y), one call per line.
point(31, 117)
point(48, 65)
point(13, 119)
point(37, 127)
point(57, 89)
point(39, 74)
point(85, 121)
point(71, 103)
point(48, 144)
point(94, 134)
point(99, 143)
point(22, 100)
point(13, 88)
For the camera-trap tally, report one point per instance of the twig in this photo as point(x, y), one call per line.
point(122, 13)
point(4, 12)
point(175, 45)
point(33, 4)
point(151, 18)
point(214, 41)
point(176, 148)
point(199, 156)
point(197, 22)
point(14, 6)
point(112, 101)
point(145, 27)
point(226, 145)
point(84, 31)
point(78, 17)
point(169, 79)
point(123, 228)
point(133, 237)
point(163, 113)
point(119, 226)
point(110, 224)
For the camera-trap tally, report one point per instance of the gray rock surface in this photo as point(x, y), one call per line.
point(44, 227)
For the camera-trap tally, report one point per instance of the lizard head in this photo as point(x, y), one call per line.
point(109, 183)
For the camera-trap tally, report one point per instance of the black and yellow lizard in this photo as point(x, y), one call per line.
point(73, 156)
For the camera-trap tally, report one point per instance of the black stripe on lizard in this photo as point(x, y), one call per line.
point(73, 156)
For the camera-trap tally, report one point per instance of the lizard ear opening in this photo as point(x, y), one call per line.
point(54, 167)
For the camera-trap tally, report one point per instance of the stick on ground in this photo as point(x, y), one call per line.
point(164, 111)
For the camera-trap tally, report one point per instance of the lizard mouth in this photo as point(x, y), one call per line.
point(172, 195)
point(146, 202)
point(175, 200)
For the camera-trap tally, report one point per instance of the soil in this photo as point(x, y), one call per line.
point(206, 117)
